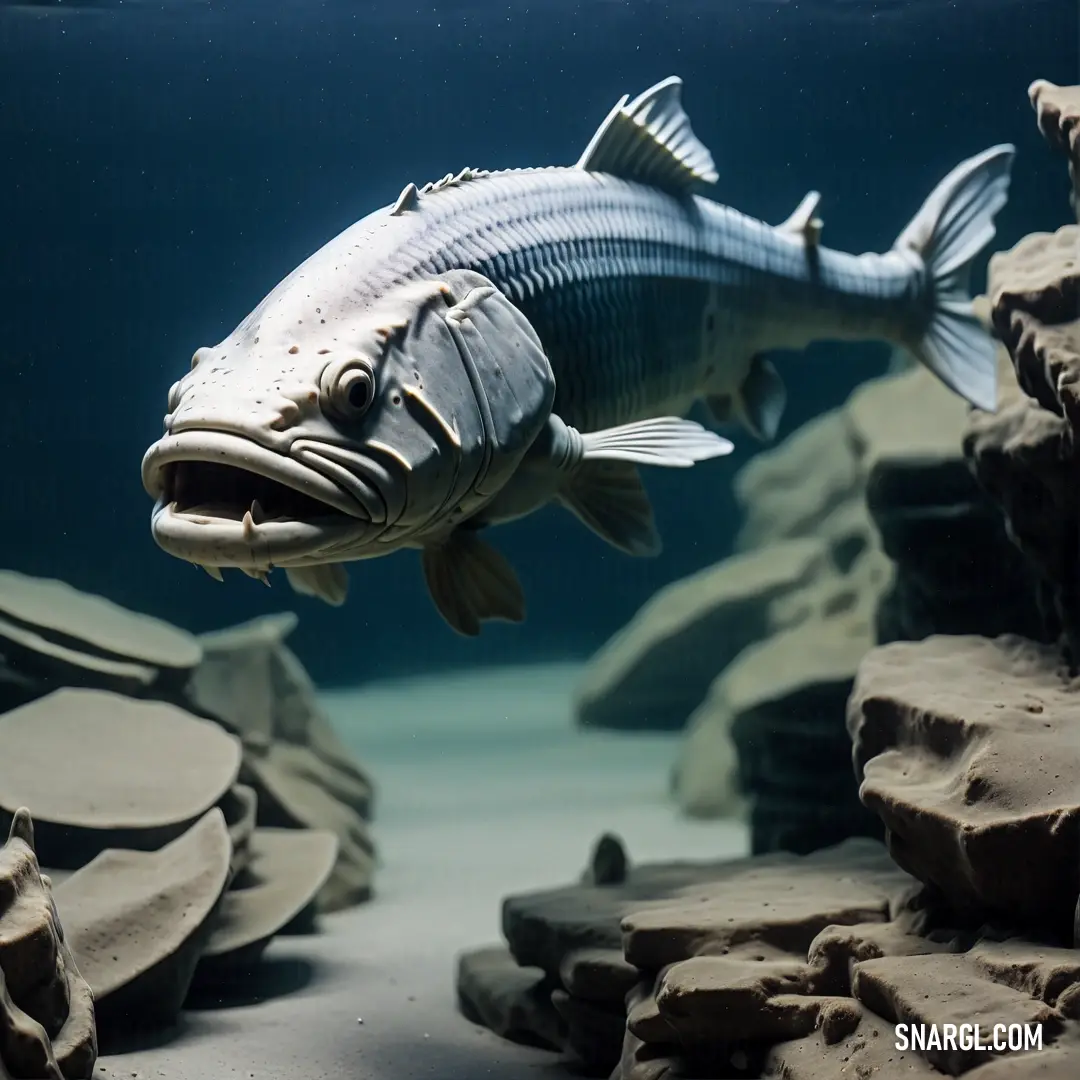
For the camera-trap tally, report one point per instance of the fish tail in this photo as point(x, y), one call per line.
point(950, 230)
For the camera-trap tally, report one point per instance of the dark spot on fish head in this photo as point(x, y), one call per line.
point(323, 352)
point(294, 350)
point(312, 397)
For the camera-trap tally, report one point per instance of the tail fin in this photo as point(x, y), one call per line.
point(954, 225)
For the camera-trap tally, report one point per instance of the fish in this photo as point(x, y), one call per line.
point(496, 342)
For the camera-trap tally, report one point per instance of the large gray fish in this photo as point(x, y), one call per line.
point(498, 341)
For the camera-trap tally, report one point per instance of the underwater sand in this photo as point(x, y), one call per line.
point(484, 788)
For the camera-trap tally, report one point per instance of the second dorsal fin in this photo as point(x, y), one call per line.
point(804, 220)
point(650, 140)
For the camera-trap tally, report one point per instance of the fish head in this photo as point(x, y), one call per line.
point(303, 441)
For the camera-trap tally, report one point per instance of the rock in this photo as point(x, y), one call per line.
point(782, 499)
point(1024, 456)
point(191, 801)
point(1034, 290)
point(944, 989)
point(870, 1052)
point(945, 536)
point(779, 903)
point(304, 778)
point(593, 1035)
point(656, 670)
point(285, 870)
point(601, 976)
point(512, 1001)
point(1058, 112)
point(240, 808)
point(969, 750)
point(47, 1026)
point(780, 705)
point(780, 966)
point(695, 958)
point(100, 770)
point(296, 792)
point(54, 635)
point(909, 413)
point(1059, 1062)
point(137, 923)
point(608, 863)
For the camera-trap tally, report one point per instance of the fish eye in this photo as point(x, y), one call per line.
point(349, 389)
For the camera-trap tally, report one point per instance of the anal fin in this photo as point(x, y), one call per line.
point(329, 582)
point(760, 401)
point(609, 498)
point(470, 582)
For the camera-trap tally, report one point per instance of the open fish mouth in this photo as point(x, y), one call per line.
point(223, 500)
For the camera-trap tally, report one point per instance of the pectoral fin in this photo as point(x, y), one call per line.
point(329, 582)
point(609, 498)
point(470, 582)
point(667, 442)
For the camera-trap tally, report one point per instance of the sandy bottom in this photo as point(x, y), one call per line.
point(484, 788)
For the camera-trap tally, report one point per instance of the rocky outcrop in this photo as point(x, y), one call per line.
point(1024, 456)
point(774, 966)
point(47, 1028)
point(52, 635)
point(969, 750)
point(251, 682)
point(656, 670)
point(776, 714)
point(191, 802)
point(1058, 112)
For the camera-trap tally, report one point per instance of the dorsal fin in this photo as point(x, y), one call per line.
point(651, 141)
point(803, 220)
point(409, 199)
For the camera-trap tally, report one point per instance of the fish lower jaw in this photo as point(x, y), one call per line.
point(220, 537)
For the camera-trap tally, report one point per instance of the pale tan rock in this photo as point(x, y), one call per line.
point(101, 770)
point(657, 669)
point(870, 1053)
point(969, 750)
point(782, 498)
point(775, 715)
point(57, 635)
point(944, 989)
point(47, 1023)
point(304, 777)
point(137, 923)
point(1058, 112)
point(285, 870)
